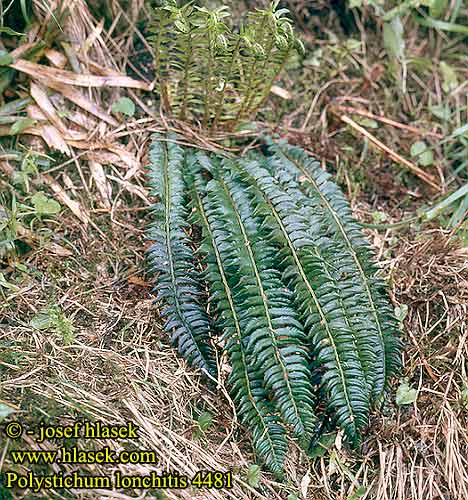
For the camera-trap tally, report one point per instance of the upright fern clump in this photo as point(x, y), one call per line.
point(292, 287)
point(212, 73)
point(269, 40)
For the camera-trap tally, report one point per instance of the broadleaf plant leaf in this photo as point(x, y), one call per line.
point(125, 106)
point(405, 395)
point(43, 205)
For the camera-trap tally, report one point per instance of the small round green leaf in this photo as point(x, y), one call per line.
point(44, 205)
point(405, 395)
point(205, 420)
point(5, 410)
point(5, 58)
point(42, 321)
point(450, 77)
point(420, 150)
point(125, 106)
point(401, 312)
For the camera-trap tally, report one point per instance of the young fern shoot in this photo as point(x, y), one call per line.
point(211, 73)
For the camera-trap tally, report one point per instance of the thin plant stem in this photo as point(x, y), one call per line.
point(219, 106)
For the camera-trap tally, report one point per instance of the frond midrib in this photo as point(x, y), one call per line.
point(167, 234)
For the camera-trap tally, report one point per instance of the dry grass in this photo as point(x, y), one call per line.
point(118, 365)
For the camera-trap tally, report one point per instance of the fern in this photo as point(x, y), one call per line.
point(162, 40)
point(305, 227)
point(274, 336)
point(208, 71)
point(254, 409)
point(179, 284)
point(303, 175)
point(335, 339)
point(227, 94)
point(270, 39)
point(293, 290)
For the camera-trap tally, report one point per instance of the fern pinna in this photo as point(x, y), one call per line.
point(292, 287)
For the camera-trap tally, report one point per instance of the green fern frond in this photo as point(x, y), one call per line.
point(292, 284)
point(288, 216)
point(246, 382)
point(275, 339)
point(272, 31)
point(162, 40)
point(228, 63)
point(324, 197)
point(345, 352)
point(179, 283)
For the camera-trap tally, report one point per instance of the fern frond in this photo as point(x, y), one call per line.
point(227, 95)
point(216, 35)
point(170, 255)
point(162, 40)
point(292, 285)
point(274, 337)
point(345, 351)
point(246, 382)
point(307, 229)
point(303, 175)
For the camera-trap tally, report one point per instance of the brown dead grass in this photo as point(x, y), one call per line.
point(423, 451)
point(119, 366)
